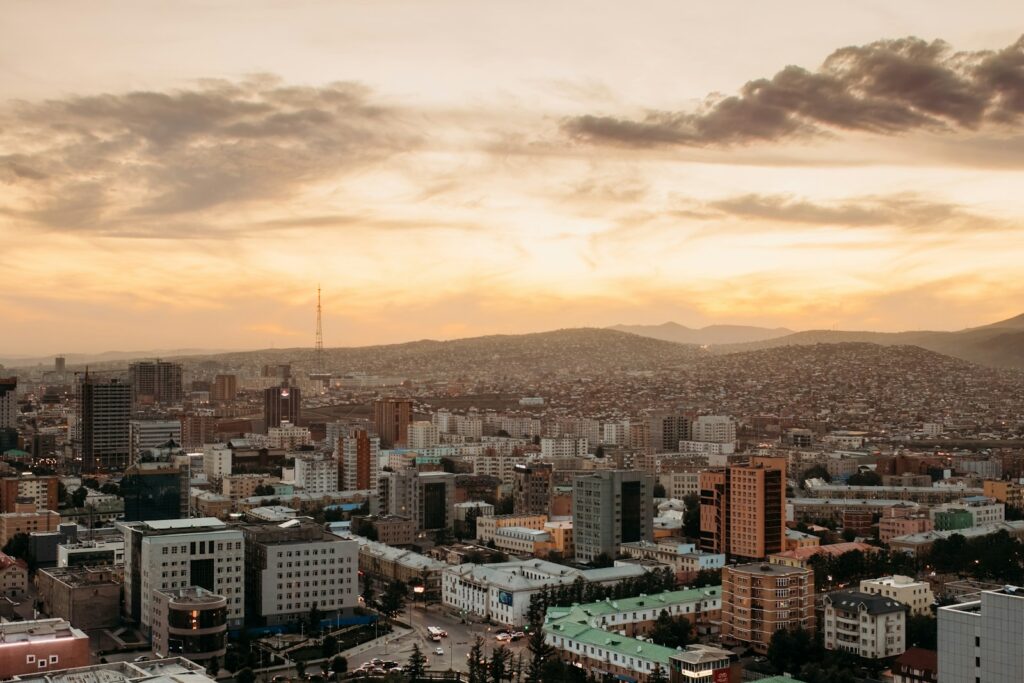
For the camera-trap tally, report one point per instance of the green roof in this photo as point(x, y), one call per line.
point(574, 622)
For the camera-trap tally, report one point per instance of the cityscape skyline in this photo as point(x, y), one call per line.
point(688, 170)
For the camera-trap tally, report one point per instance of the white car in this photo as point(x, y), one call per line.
point(438, 650)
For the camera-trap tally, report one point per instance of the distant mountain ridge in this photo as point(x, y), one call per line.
point(999, 344)
point(705, 336)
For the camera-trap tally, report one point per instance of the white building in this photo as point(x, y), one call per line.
point(296, 565)
point(982, 510)
point(423, 434)
point(90, 553)
point(563, 447)
point(917, 595)
point(216, 460)
point(176, 553)
point(714, 428)
point(288, 436)
point(517, 540)
point(678, 485)
point(708, 447)
point(501, 592)
point(931, 430)
point(868, 625)
point(442, 419)
point(154, 433)
point(980, 641)
point(467, 427)
point(316, 474)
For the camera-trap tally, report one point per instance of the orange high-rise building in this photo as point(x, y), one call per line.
point(743, 509)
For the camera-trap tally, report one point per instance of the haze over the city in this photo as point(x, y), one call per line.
point(178, 176)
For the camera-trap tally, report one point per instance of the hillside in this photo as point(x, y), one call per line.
point(999, 344)
point(710, 335)
point(578, 352)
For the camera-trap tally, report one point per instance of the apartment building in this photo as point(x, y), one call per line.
point(381, 564)
point(14, 523)
point(13, 576)
point(980, 640)
point(487, 527)
point(758, 599)
point(177, 553)
point(427, 497)
point(41, 490)
point(531, 488)
point(295, 565)
point(743, 509)
point(916, 595)
point(238, 486)
point(358, 455)
point(316, 473)
point(563, 447)
point(865, 624)
point(609, 508)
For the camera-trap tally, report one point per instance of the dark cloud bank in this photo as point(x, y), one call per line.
point(885, 87)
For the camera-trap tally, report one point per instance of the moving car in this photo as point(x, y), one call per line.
point(438, 650)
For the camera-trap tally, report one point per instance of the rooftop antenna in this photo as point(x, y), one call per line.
point(319, 335)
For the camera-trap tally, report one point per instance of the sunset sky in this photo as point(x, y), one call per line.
point(184, 174)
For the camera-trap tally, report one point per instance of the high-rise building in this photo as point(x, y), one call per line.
point(282, 404)
point(531, 488)
point(59, 365)
point(42, 490)
point(423, 434)
point(178, 553)
point(743, 509)
point(759, 599)
point(427, 497)
point(153, 491)
point(609, 508)
point(714, 429)
point(225, 388)
point(357, 456)
point(667, 429)
point(104, 411)
point(197, 430)
point(154, 433)
point(980, 640)
point(156, 381)
point(391, 419)
point(563, 447)
point(8, 403)
point(316, 473)
point(276, 593)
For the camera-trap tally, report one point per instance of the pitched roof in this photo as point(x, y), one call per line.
point(855, 600)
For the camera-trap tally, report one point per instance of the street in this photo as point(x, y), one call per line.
point(456, 646)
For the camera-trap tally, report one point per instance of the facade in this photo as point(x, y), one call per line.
point(8, 403)
point(758, 599)
point(225, 388)
point(389, 529)
point(423, 434)
point(609, 508)
point(288, 436)
point(979, 510)
point(41, 489)
point(678, 485)
point(714, 429)
point(916, 665)
point(501, 592)
point(981, 640)
point(154, 490)
point(865, 624)
point(517, 540)
point(87, 597)
point(488, 527)
point(391, 418)
point(531, 488)
point(201, 551)
point(1006, 492)
point(13, 576)
point(189, 622)
point(155, 382)
point(666, 429)
point(14, 523)
point(427, 497)
point(595, 638)
point(358, 455)
point(238, 486)
point(40, 646)
point(216, 461)
point(563, 447)
point(282, 404)
point(98, 553)
point(154, 433)
point(381, 564)
point(104, 411)
point(743, 509)
point(684, 558)
point(294, 566)
point(316, 473)
point(902, 521)
point(916, 595)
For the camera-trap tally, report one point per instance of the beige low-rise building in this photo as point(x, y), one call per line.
point(917, 595)
point(487, 527)
point(14, 523)
point(13, 576)
point(238, 486)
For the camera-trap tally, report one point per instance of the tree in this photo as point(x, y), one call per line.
point(504, 506)
point(599, 452)
point(91, 483)
point(602, 560)
point(110, 488)
point(658, 675)
point(659, 490)
point(315, 615)
point(17, 546)
point(339, 665)
point(264, 490)
point(671, 631)
point(499, 664)
point(540, 652)
point(789, 650)
point(477, 665)
point(865, 478)
point(922, 631)
point(300, 669)
point(393, 600)
point(62, 493)
point(79, 496)
point(247, 676)
point(816, 472)
point(417, 664)
point(329, 646)
point(443, 536)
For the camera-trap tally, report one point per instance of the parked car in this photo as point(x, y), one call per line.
point(141, 658)
point(438, 650)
